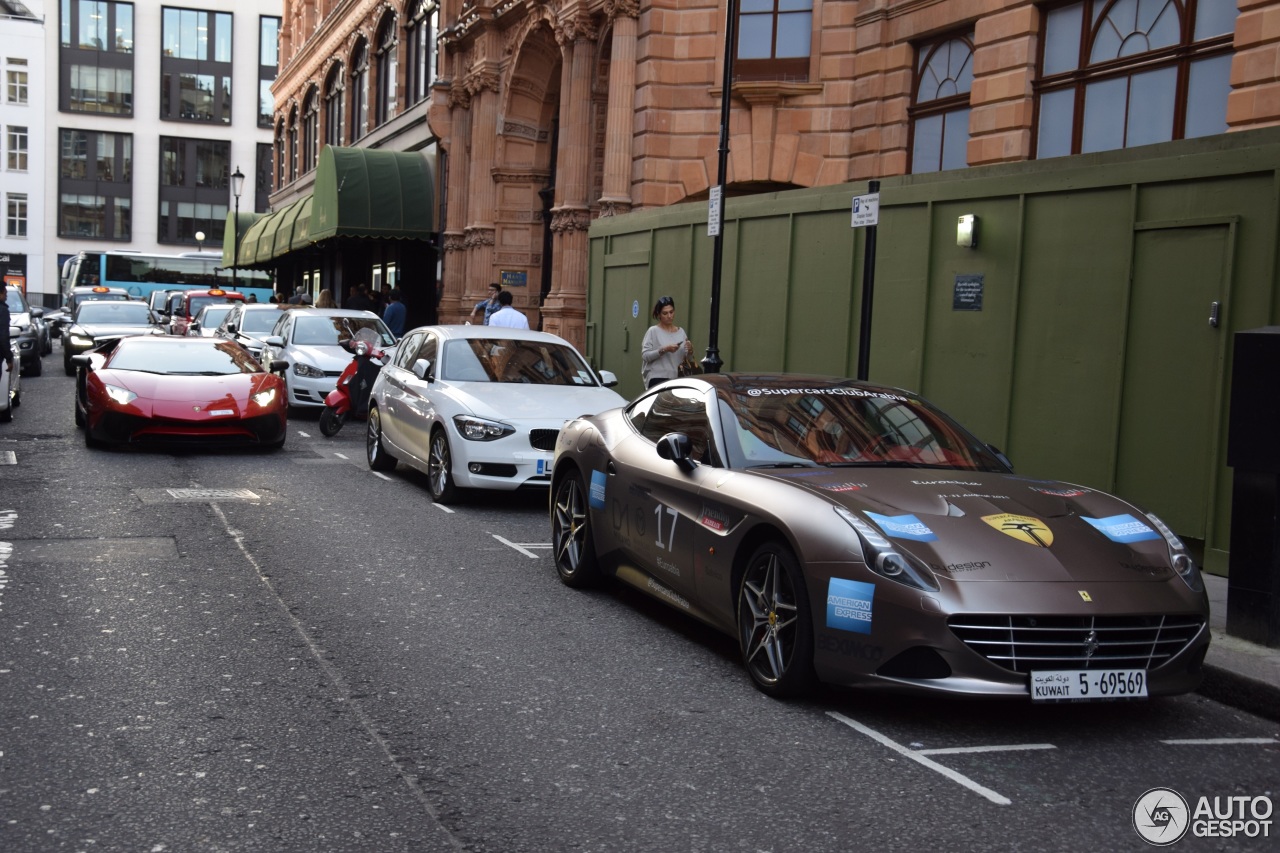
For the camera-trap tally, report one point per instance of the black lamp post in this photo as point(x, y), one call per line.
point(237, 186)
point(712, 363)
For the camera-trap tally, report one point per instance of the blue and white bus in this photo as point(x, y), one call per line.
point(140, 273)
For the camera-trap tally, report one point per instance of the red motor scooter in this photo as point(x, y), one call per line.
point(351, 395)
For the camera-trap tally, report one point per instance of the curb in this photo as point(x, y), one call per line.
point(1241, 691)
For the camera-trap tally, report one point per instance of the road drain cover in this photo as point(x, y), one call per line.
point(212, 494)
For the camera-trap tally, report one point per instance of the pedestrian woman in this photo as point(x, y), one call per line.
point(665, 345)
point(326, 300)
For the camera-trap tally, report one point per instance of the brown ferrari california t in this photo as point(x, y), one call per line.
point(854, 534)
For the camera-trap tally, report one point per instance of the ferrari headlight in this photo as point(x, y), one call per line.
point(122, 396)
point(264, 398)
point(884, 560)
point(479, 429)
point(300, 369)
point(1179, 557)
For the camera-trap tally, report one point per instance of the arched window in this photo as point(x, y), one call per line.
point(333, 91)
point(940, 113)
point(386, 69)
point(310, 128)
point(280, 155)
point(1120, 73)
point(359, 90)
point(419, 35)
point(292, 143)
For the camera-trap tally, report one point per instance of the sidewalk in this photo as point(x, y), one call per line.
point(1237, 672)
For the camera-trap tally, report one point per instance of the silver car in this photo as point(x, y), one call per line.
point(248, 323)
point(310, 340)
point(10, 381)
point(28, 335)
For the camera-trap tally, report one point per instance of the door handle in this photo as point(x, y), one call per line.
point(1213, 313)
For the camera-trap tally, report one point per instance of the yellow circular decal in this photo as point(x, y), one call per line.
point(1024, 528)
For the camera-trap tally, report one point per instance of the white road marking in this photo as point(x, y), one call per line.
point(341, 456)
point(8, 457)
point(442, 508)
point(304, 434)
point(1219, 741)
point(991, 795)
point(523, 549)
point(382, 475)
point(961, 750)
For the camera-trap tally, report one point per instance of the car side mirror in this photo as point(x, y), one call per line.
point(422, 369)
point(274, 341)
point(81, 360)
point(37, 313)
point(1004, 460)
point(279, 366)
point(195, 326)
point(608, 379)
point(676, 447)
point(231, 328)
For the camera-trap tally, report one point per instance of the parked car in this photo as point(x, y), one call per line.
point(10, 381)
point(29, 335)
point(854, 534)
point(170, 390)
point(310, 340)
point(184, 305)
point(101, 320)
point(206, 322)
point(249, 323)
point(79, 295)
point(480, 406)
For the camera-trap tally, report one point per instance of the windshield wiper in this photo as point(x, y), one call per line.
point(784, 465)
point(881, 463)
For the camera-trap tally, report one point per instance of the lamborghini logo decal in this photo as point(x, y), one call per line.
point(1024, 528)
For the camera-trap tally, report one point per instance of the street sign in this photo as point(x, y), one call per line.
point(866, 210)
point(715, 212)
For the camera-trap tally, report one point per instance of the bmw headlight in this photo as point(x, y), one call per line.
point(264, 398)
point(479, 429)
point(1179, 557)
point(300, 369)
point(121, 396)
point(81, 340)
point(884, 560)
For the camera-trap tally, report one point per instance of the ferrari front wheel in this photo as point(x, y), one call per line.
point(775, 628)
point(571, 534)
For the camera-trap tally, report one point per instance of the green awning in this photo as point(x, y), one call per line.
point(288, 217)
point(249, 242)
point(236, 230)
point(302, 226)
point(362, 192)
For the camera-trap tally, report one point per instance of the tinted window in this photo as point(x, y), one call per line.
point(680, 410)
point(505, 360)
point(194, 357)
point(331, 331)
point(116, 313)
point(408, 351)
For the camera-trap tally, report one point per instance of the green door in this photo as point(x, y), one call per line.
point(626, 319)
point(1172, 373)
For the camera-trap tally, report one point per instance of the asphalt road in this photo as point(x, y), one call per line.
point(287, 652)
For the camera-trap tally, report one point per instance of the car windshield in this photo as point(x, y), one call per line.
point(199, 302)
point(843, 425)
point(331, 331)
point(258, 322)
point(503, 360)
point(182, 357)
point(13, 298)
point(114, 313)
point(212, 314)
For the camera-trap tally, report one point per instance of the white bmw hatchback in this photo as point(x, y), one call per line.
point(480, 407)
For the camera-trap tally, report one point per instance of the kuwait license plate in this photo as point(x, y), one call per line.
point(1088, 685)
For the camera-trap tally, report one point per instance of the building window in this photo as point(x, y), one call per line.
point(292, 145)
point(96, 57)
point(1133, 72)
point(195, 66)
point(194, 187)
point(940, 114)
point(310, 128)
point(280, 154)
point(386, 71)
point(359, 91)
point(262, 188)
point(15, 89)
point(95, 184)
point(773, 40)
point(15, 215)
point(16, 148)
point(419, 36)
point(333, 91)
point(268, 62)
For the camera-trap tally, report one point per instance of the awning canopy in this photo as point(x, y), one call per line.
point(359, 192)
point(234, 233)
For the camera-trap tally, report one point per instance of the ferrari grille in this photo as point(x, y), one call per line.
point(543, 439)
point(1026, 643)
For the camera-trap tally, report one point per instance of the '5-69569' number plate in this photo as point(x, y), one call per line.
point(1088, 685)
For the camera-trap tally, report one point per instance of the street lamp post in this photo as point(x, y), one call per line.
point(237, 186)
point(200, 240)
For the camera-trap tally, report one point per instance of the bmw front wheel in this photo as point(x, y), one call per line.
point(571, 537)
point(440, 469)
point(775, 629)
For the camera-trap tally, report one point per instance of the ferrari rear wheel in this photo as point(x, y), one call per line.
point(775, 627)
point(440, 469)
point(79, 414)
point(375, 450)
point(571, 534)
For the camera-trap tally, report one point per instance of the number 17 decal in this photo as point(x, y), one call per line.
point(671, 531)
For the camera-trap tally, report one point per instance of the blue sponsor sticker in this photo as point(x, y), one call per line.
point(849, 605)
point(1123, 528)
point(903, 527)
point(596, 497)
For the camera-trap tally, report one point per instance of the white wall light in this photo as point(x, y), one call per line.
point(967, 232)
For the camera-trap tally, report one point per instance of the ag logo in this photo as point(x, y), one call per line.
point(1161, 816)
point(1024, 528)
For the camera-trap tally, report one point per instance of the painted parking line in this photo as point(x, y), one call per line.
point(8, 457)
point(341, 456)
point(961, 750)
point(443, 508)
point(523, 547)
point(382, 475)
point(920, 758)
point(304, 434)
point(1219, 741)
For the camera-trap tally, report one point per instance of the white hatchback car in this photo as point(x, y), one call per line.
point(310, 339)
point(480, 406)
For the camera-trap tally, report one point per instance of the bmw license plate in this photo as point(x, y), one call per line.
point(1088, 685)
point(542, 467)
